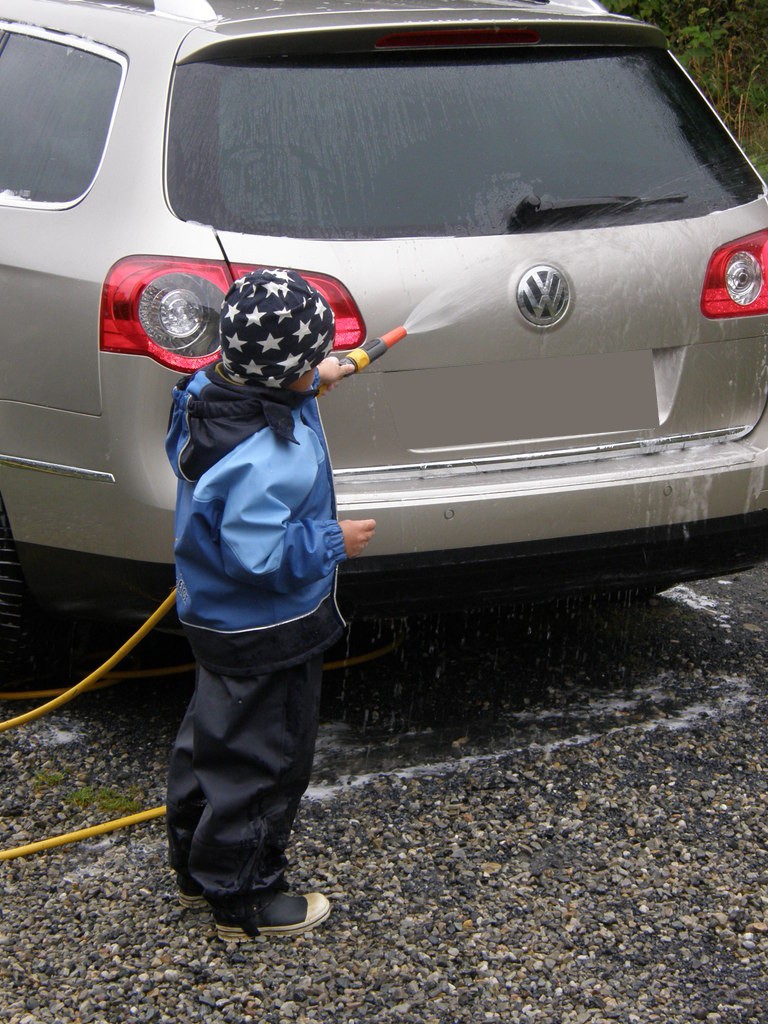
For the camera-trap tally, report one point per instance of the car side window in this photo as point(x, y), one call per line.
point(56, 106)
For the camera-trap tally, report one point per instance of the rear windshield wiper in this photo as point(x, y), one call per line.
point(532, 208)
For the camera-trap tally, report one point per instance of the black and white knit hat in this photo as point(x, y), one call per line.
point(274, 327)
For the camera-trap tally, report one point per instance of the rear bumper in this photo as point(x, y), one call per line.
point(654, 558)
point(394, 585)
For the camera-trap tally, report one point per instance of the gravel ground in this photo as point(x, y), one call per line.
point(613, 871)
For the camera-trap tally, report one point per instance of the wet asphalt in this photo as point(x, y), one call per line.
point(475, 684)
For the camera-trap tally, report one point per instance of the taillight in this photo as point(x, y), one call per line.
point(350, 326)
point(451, 37)
point(169, 308)
point(736, 282)
point(164, 308)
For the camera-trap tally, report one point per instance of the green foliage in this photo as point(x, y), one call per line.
point(724, 45)
point(48, 779)
point(104, 799)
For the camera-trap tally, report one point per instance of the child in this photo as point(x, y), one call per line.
point(257, 546)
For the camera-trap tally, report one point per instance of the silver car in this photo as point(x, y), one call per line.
point(534, 189)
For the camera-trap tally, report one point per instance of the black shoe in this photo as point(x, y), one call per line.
point(190, 893)
point(283, 915)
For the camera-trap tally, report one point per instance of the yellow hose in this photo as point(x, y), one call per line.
point(360, 659)
point(90, 683)
point(110, 680)
point(113, 678)
point(84, 833)
point(102, 670)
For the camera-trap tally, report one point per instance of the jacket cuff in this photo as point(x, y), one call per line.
point(335, 540)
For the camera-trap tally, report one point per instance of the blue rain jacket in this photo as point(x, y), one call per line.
point(257, 542)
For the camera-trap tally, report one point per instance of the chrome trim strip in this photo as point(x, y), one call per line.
point(524, 460)
point(493, 463)
point(57, 470)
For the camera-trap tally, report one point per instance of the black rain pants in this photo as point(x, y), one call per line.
point(240, 764)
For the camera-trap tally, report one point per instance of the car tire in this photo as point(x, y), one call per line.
point(31, 643)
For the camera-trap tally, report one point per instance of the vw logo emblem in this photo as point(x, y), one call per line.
point(543, 295)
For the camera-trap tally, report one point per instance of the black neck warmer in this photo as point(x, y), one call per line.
point(227, 413)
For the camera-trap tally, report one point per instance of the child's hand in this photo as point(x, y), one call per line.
point(331, 372)
point(357, 533)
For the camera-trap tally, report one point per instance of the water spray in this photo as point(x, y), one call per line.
point(441, 307)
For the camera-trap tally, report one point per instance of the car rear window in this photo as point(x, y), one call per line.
point(389, 147)
point(56, 104)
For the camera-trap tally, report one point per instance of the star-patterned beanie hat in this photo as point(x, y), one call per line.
point(274, 327)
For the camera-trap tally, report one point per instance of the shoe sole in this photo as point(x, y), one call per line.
point(233, 933)
point(189, 902)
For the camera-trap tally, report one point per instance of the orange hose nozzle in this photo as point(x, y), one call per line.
point(393, 336)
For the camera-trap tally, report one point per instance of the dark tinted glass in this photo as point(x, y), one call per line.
point(398, 147)
point(56, 105)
